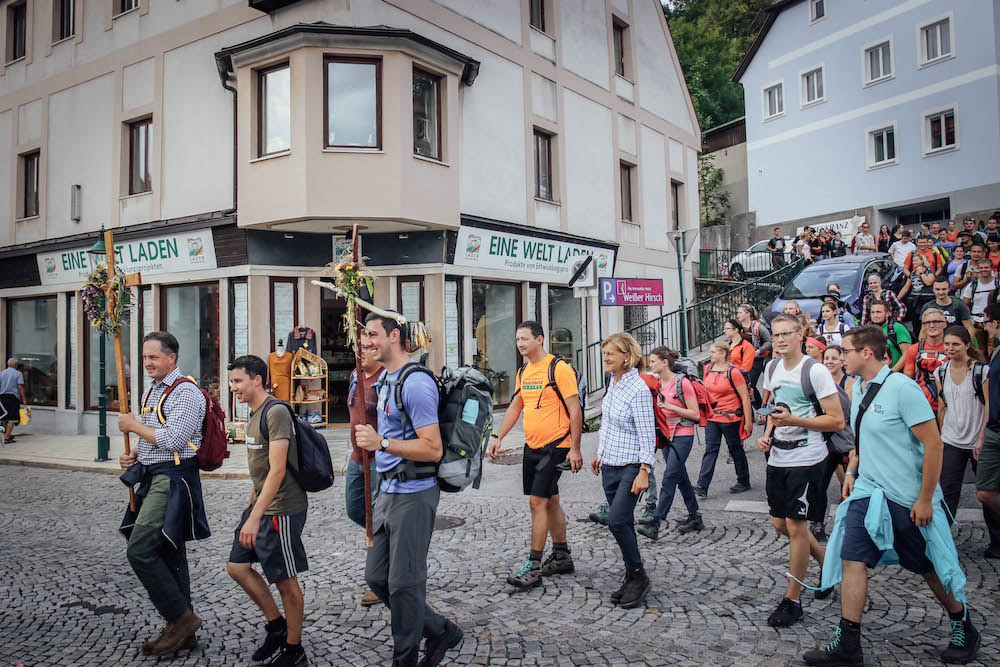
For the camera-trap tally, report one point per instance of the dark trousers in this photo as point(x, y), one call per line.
point(755, 371)
point(714, 433)
point(953, 465)
point(397, 568)
point(832, 461)
point(162, 569)
point(354, 490)
point(676, 477)
point(617, 482)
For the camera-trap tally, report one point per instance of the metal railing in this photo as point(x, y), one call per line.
point(704, 321)
point(737, 264)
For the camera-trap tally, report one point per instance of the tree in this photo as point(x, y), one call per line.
point(711, 191)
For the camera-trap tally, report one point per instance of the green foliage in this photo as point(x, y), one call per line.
point(714, 198)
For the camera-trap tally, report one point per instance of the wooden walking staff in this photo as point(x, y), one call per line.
point(360, 394)
point(111, 294)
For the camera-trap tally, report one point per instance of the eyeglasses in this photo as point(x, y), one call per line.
point(786, 334)
point(929, 322)
point(847, 350)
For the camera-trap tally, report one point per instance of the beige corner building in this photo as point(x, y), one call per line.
point(483, 148)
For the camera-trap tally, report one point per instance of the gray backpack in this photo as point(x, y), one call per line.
point(838, 442)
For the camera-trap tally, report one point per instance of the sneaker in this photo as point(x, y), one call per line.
point(616, 597)
point(558, 562)
point(290, 656)
point(648, 515)
point(650, 530)
point(739, 488)
point(823, 593)
point(369, 599)
point(436, 647)
point(843, 651)
point(635, 590)
point(601, 515)
point(818, 531)
point(788, 613)
point(528, 576)
point(693, 523)
point(272, 642)
point(700, 492)
point(964, 642)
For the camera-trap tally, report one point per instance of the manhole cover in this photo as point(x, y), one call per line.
point(443, 522)
point(510, 458)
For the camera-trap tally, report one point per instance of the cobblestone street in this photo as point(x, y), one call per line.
point(71, 598)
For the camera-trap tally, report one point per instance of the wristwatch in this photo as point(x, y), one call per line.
point(644, 467)
point(384, 444)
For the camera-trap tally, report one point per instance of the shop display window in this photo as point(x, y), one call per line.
point(92, 367)
point(32, 339)
point(495, 315)
point(565, 334)
point(453, 353)
point(191, 313)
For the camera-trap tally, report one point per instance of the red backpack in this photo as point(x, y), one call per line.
point(214, 447)
point(662, 425)
point(705, 405)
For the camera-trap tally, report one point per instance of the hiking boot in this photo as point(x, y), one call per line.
point(693, 523)
point(648, 515)
point(190, 643)
point(700, 492)
point(616, 597)
point(650, 530)
point(964, 642)
point(290, 656)
point(436, 647)
point(558, 562)
point(601, 515)
point(147, 647)
point(370, 599)
point(176, 634)
point(528, 576)
point(273, 640)
point(636, 589)
point(818, 531)
point(788, 613)
point(843, 651)
point(739, 488)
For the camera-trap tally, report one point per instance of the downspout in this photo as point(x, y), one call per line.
point(224, 65)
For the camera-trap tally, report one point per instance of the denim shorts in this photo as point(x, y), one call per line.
point(907, 540)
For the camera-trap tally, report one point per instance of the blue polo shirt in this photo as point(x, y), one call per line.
point(420, 399)
point(892, 458)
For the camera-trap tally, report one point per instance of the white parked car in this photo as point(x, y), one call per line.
point(756, 260)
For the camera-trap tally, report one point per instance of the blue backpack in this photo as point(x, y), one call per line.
point(314, 470)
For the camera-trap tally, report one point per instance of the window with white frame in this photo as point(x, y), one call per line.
point(817, 10)
point(122, 6)
point(878, 62)
point(935, 41)
point(812, 86)
point(882, 147)
point(63, 19)
point(774, 101)
point(941, 131)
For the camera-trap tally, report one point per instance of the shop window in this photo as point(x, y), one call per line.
point(146, 311)
point(543, 166)
point(239, 341)
point(31, 339)
point(72, 307)
point(537, 14)
point(140, 134)
point(453, 353)
point(63, 19)
point(274, 107)
point(426, 114)
point(17, 30)
point(284, 308)
point(410, 302)
point(353, 103)
point(565, 334)
point(495, 313)
point(534, 311)
point(191, 313)
point(92, 366)
point(29, 184)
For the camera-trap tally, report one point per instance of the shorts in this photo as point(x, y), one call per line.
point(796, 493)
point(541, 477)
point(988, 466)
point(907, 540)
point(10, 408)
point(278, 548)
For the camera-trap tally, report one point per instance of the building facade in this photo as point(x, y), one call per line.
point(884, 109)
point(483, 148)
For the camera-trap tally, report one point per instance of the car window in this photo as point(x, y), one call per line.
point(759, 246)
point(811, 282)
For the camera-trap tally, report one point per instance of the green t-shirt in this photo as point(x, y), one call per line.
point(290, 498)
point(902, 336)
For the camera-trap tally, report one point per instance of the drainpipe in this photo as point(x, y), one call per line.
point(224, 66)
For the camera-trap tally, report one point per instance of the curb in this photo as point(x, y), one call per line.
point(108, 471)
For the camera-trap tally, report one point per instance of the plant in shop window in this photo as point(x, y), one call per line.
point(95, 305)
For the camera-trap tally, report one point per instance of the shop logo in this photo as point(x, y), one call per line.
point(50, 265)
point(473, 246)
point(602, 261)
point(196, 248)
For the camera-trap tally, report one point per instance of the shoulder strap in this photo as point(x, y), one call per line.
point(517, 383)
point(920, 349)
point(552, 382)
point(865, 403)
point(159, 406)
point(729, 374)
point(978, 376)
point(807, 385)
point(263, 417)
point(405, 372)
point(771, 367)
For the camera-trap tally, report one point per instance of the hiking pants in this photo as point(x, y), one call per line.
point(397, 568)
point(354, 490)
point(676, 477)
point(161, 568)
point(714, 432)
point(953, 464)
point(617, 482)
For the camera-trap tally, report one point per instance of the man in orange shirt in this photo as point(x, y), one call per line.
point(546, 390)
point(926, 248)
point(923, 359)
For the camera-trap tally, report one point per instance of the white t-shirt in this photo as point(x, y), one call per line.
point(900, 251)
point(804, 249)
point(980, 295)
point(786, 388)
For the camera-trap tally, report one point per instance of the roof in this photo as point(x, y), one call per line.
point(772, 14)
point(224, 58)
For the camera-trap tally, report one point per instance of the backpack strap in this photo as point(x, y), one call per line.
point(552, 383)
point(805, 379)
point(159, 406)
point(517, 381)
point(979, 370)
point(770, 368)
point(865, 403)
point(263, 417)
point(405, 372)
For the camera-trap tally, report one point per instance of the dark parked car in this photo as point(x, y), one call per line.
point(851, 272)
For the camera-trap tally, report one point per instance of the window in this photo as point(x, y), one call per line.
point(239, 338)
point(284, 308)
point(565, 334)
point(774, 101)
point(882, 147)
point(72, 307)
point(274, 107)
point(625, 174)
point(140, 134)
point(543, 166)
point(29, 179)
point(411, 298)
point(537, 14)
point(17, 30)
point(935, 41)
point(426, 114)
point(817, 10)
point(619, 30)
point(496, 310)
point(191, 313)
point(675, 205)
point(63, 19)
point(453, 338)
point(122, 6)
point(31, 339)
point(812, 87)
point(878, 62)
point(941, 131)
point(92, 365)
point(353, 100)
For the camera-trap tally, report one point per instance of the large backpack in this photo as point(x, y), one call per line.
point(314, 470)
point(837, 442)
point(465, 418)
point(922, 373)
point(214, 447)
point(979, 371)
point(662, 425)
point(581, 383)
point(706, 407)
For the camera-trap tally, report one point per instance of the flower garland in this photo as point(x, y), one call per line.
point(348, 276)
point(95, 306)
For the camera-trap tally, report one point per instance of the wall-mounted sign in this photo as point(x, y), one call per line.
point(491, 249)
point(631, 292)
point(846, 228)
point(175, 253)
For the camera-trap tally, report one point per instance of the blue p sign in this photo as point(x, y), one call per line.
point(608, 292)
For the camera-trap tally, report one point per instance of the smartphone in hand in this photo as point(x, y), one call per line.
point(766, 410)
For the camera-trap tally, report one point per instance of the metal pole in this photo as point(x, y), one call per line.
point(103, 442)
point(680, 276)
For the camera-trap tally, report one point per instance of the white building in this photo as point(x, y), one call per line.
point(886, 109)
point(230, 143)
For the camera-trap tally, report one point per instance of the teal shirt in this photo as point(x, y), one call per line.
point(902, 336)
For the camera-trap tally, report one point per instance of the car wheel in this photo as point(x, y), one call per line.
point(736, 272)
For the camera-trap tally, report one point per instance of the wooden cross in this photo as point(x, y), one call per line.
point(111, 297)
point(360, 395)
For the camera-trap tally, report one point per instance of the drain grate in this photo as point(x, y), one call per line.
point(443, 522)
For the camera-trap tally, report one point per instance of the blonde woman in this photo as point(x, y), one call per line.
point(625, 456)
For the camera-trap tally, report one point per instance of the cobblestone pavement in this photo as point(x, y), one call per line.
point(70, 598)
